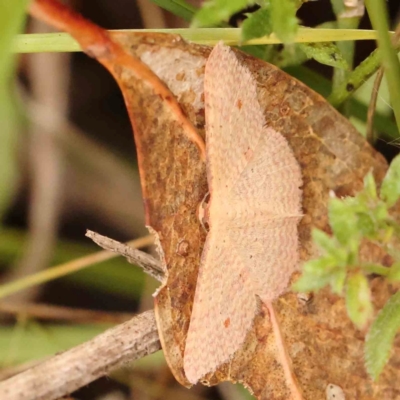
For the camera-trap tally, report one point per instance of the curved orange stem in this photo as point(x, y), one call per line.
point(97, 43)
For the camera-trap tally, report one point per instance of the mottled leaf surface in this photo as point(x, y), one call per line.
point(319, 337)
point(257, 24)
point(323, 346)
point(325, 53)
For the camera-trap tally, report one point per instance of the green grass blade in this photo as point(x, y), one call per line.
point(63, 42)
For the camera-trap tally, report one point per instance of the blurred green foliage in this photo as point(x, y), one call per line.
point(218, 12)
point(33, 341)
point(257, 24)
point(115, 276)
point(283, 18)
point(179, 8)
point(12, 17)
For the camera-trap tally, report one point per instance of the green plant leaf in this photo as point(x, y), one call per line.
point(366, 225)
point(325, 53)
point(358, 299)
point(371, 268)
point(324, 241)
point(338, 6)
point(343, 220)
point(381, 335)
point(177, 7)
point(213, 12)
point(394, 272)
point(257, 24)
point(381, 212)
point(338, 280)
point(309, 283)
point(390, 189)
point(284, 21)
point(317, 274)
point(370, 186)
point(319, 267)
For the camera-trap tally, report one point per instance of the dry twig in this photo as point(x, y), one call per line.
point(69, 371)
point(149, 264)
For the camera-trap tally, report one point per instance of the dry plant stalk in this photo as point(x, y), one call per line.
point(66, 372)
point(47, 311)
point(148, 263)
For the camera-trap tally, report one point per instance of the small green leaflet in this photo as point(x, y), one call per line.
point(316, 274)
point(325, 53)
point(394, 272)
point(358, 299)
point(380, 337)
point(370, 186)
point(324, 241)
point(343, 220)
point(258, 24)
point(284, 21)
point(390, 189)
point(214, 12)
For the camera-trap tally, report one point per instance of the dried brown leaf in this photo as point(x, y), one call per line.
point(322, 345)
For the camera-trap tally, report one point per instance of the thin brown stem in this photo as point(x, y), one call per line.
point(65, 269)
point(283, 355)
point(97, 43)
point(47, 311)
point(66, 372)
point(370, 135)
